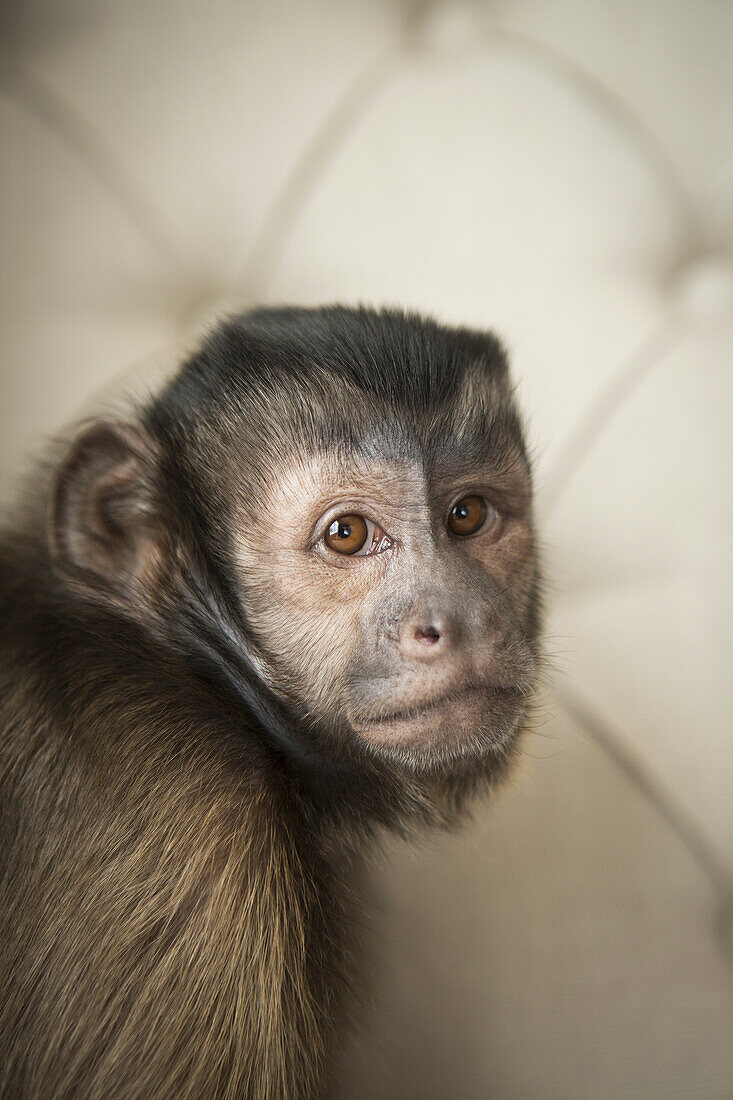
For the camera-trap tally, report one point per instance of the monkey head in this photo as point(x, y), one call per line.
point(334, 505)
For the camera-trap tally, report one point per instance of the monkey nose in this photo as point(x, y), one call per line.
point(425, 639)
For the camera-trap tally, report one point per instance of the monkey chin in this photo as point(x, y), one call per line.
point(475, 722)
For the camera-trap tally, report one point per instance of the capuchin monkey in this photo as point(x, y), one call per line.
point(291, 603)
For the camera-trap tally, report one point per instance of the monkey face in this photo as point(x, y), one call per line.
point(392, 596)
point(332, 507)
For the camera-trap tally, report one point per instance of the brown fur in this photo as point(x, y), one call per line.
point(158, 930)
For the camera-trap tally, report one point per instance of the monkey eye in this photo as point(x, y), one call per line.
point(355, 536)
point(468, 516)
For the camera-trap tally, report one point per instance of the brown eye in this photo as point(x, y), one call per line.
point(467, 516)
point(347, 534)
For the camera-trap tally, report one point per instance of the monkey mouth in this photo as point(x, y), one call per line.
point(422, 710)
point(485, 713)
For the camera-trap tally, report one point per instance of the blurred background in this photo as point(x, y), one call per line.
point(560, 171)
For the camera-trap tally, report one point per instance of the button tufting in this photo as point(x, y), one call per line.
point(703, 287)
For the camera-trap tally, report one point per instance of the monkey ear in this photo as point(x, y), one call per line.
point(103, 525)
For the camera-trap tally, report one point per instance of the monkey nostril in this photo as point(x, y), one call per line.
point(427, 638)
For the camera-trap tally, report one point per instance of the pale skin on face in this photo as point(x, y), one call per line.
point(324, 618)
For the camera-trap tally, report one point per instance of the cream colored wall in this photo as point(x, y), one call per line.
point(561, 171)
